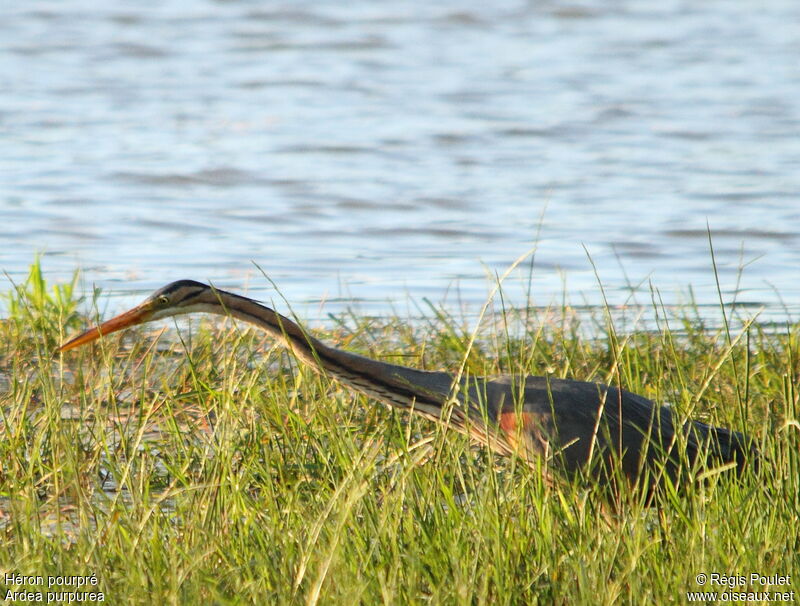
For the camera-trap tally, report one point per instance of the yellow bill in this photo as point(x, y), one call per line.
point(137, 315)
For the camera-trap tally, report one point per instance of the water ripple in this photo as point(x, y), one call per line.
point(373, 150)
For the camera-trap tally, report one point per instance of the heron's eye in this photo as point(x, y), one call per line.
point(163, 300)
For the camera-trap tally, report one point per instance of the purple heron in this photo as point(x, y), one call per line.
point(574, 426)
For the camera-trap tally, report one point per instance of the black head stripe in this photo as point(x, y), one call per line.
point(187, 286)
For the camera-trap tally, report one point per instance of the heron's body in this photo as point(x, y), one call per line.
point(574, 426)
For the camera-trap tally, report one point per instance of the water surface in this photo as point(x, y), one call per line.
point(364, 152)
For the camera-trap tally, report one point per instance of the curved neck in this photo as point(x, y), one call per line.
point(302, 344)
point(438, 396)
point(397, 385)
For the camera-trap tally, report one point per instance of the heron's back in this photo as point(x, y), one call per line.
point(583, 426)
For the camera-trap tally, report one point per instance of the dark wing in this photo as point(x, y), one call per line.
point(591, 426)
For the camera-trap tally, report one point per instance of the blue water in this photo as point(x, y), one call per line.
point(364, 152)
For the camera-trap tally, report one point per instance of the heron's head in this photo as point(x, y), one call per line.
point(181, 297)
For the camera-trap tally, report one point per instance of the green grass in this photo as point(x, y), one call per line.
point(209, 468)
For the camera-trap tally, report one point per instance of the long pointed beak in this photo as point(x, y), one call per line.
point(137, 315)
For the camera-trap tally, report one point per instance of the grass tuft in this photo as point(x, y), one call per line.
point(209, 468)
